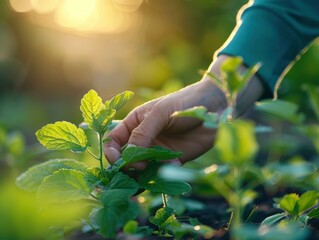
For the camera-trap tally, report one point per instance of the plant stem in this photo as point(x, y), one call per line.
point(100, 158)
point(164, 198)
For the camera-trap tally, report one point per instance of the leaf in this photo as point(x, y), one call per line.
point(282, 109)
point(273, 219)
point(117, 210)
point(289, 203)
point(31, 179)
point(130, 227)
point(236, 143)
point(91, 105)
point(314, 213)
point(118, 101)
point(102, 120)
point(167, 187)
point(134, 154)
point(163, 217)
point(307, 200)
point(93, 177)
point(62, 136)
point(209, 119)
point(124, 182)
point(63, 186)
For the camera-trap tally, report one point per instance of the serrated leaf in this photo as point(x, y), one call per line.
point(31, 179)
point(91, 105)
point(118, 101)
point(134, 154)
point(273, 219)
point(167, 187)
point(63, 186)
point(307, 200)
point(93, 177)
point(62, 136)
point(314, 213)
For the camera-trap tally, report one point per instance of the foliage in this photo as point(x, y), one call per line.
point(108, 191)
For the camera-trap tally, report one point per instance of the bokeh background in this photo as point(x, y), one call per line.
point(54, 51)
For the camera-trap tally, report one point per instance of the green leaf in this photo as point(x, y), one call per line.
point(91, 105)
point(167, 187)
point(282, 109)
point(163, 217)
point(236, 143)
point(307, 200)
point(314, 213)
point(102, 120)
point(231, 75)
point(118, 101)
point(93, 177)
point(313, 93)
point(124, 182)
point(209, 119)
point(63, 186)
point(31, 179)
point(62, 136)
point(117, 210)
point(273, 219)
point(290, 204)
point(130, 227)
point(134, 154)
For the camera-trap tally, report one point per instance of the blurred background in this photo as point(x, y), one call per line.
point(54, 51)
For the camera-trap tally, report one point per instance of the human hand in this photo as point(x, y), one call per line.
point(151, 123)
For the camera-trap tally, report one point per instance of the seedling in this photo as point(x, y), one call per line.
point(108, 190)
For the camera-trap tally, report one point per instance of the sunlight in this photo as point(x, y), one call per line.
point(76, 13)
point(21, 5)
point(45, 6)
point(127, 5)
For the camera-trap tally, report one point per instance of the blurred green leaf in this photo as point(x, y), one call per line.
point(273, 219)
point(282, 109)
point(314, 213)
point(62, 136)
point(289, 203)
point(63, 186)
point(307, 200)
point(118, 101)
point(130, 227)
point(313, 93)
point(236, 143)
point(31, 179)
point(163, 217)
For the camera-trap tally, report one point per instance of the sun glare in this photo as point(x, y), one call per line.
point(21, 5)
point(92, 16)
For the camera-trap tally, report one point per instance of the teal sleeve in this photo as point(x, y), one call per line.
point(273, 33)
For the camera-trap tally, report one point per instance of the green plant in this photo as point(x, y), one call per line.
point(296, 208)
point(106, 191)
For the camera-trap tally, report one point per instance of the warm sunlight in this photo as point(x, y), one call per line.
point(89, 16)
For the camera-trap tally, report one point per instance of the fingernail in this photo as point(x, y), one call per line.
point(131, 145)
point(112, 154)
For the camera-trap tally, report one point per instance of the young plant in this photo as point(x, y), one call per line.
point(108, 191)
point(299, 209)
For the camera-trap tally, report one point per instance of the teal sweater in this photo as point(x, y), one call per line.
point(274, 33)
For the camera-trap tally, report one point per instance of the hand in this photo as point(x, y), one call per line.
point(151, 123)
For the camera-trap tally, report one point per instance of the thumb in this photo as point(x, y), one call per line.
point(153, 123)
